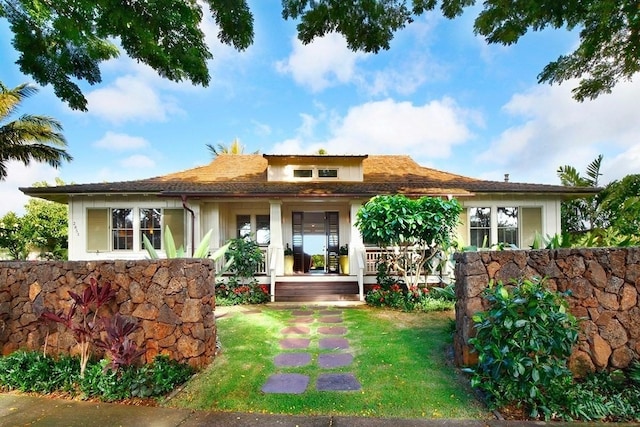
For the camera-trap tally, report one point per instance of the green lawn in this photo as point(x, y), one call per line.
point(401, 361)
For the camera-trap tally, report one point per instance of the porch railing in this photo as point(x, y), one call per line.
point(372, 255)
point(262, 266)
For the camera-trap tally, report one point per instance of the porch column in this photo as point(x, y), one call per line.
point(213, 222)
point(276, 246)
point(356, 247)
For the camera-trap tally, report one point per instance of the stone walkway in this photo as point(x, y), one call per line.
point(313, 337)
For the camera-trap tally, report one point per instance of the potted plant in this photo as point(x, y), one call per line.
point(344, 259)
point(288, 260)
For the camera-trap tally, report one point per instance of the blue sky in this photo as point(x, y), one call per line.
point(440, 95)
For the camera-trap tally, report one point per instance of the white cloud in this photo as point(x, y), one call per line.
point(138, 161)
point(130, 98)
point(556, 130)
point(19, 175)
point(121, 142)
point(388, 127)
point(325, 62)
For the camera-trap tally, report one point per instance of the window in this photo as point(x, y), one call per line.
point(98, 230)
point(114, 229)
point(263, 233)
point(327, 173)
point(480, 226)
point(243, 226)
point(508, 225)
point(122, 229)
point(303, 173)
point(255, 227)
point(151, 226)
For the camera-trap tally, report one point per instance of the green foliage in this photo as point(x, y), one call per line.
point(29, 137)
point(13, 236)
point(420, 228)
point(34, 372)
point(151, 380)
point(65, 41)
point(46, 225)
point(605, 238)
point(30, 371)
point(235, 293)
point(620, 203)
point(388, 293)
point(246, 256)
point(604, 396)
point(523, 342)
point(202, 251)
point(581, 214)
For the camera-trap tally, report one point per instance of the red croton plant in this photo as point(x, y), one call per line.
point(82, 320)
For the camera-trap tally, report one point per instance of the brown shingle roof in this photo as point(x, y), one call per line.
point(246, 176)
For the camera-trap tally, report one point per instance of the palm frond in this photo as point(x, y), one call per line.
point(593, 171)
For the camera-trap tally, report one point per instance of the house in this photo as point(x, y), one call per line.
point(308, 202)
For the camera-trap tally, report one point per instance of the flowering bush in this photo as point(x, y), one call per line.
point(397, 297)
point(234, 293)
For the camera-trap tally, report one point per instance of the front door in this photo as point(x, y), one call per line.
point(315, 242)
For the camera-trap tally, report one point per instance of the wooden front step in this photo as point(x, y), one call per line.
point(316, 291)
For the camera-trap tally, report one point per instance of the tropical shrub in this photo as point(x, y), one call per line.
point(416, 229)
point(234, 293)
point(523, 343)
point(35, 372)
point(390, 293)
point(242, 287)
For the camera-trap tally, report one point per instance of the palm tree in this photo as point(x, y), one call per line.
point(30, 137)
point(234, 148)
point(580, 215)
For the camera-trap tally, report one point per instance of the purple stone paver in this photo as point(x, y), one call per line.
point(286, 383)
point(334, 360)
point(302, 312)
point(330, 313)
point(302, 320)
point(296, 330)
point(291, 343)
point(330, 319)
point(337, 382)
point(333, 343)
point(292, 359)
point(332, 330)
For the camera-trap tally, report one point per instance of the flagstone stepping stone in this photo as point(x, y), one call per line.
point(330, 319)
point(333, 343)
point(334, 360)
point(303, 320)
point(302, 312)
point(286, 383)
point(292, 343)
point(337, 382)
point(295, 330)
point(252, 311)
point(292, 359)
point(332, 330)
point(330, 313)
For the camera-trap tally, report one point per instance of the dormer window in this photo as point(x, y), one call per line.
point(303, 173)
point(327, 173)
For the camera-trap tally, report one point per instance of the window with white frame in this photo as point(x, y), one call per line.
point(122, 229)
point(113, 229)
point(508, 225)
point(480, 227)
point(243, 226)
point(256, 227)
